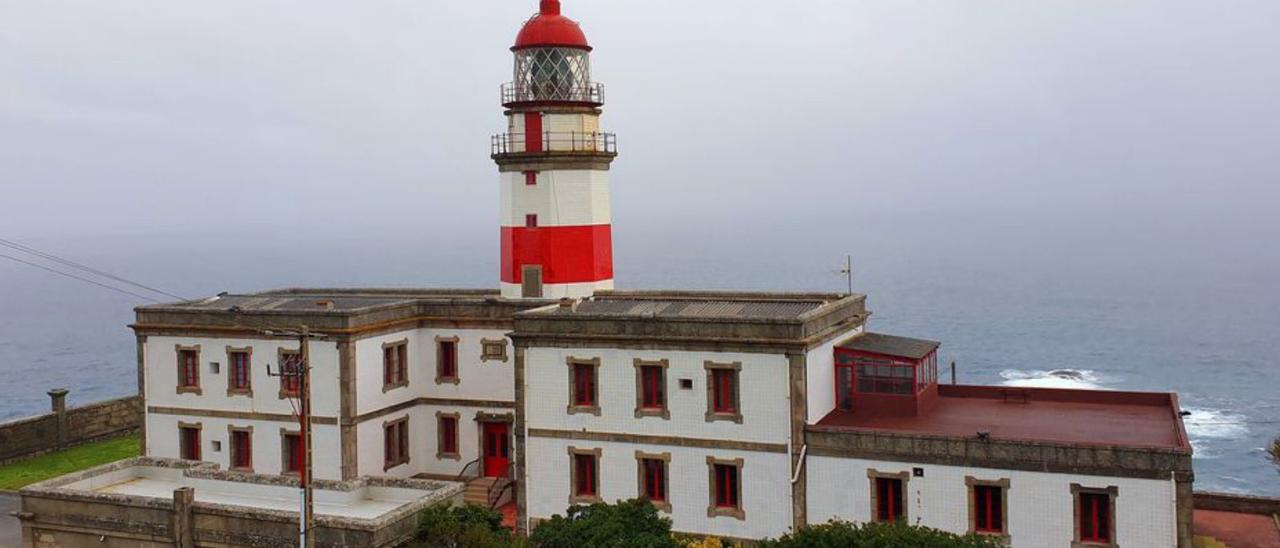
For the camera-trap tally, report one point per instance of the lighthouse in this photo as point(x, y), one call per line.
point(557, 238)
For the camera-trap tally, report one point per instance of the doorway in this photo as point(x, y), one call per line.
point(497, 449)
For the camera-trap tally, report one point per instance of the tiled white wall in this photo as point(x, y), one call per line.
point(1040, 504)
point(423, 430)
point(561, 198)
point(161, 358)
point(163, 440)
point(766, 491)
point(479, 380)
point(763, 384)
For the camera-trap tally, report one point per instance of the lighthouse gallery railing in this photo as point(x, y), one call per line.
point(554, 141)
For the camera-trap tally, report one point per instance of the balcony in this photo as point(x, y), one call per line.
point(591, 93)
point(566, 142)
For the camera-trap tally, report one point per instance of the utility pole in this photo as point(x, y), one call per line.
point(307, 518)
point(297, 372)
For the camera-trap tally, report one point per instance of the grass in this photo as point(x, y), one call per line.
point(23, 473)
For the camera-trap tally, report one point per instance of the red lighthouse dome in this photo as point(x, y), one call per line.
point(550, 29)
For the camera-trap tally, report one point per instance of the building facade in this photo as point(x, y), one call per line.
point(743, 415)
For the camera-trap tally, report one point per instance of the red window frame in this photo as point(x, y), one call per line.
point(531, 220)
point(395, 440)
point(239, 370)
point(447, 364)
point(889, 500)
point(585, 470)
point(190, 360)
point(1095, 517)
point(395, 364)
point(652, 390)
point(448, 435)
point(584, 381)
point(724, 386)
point(530, 178)
point(290, 384)
point(988, 509)
point(728, 492)
point(292, 453)
point(241, 449)
point(654, 472)
point(189, 442)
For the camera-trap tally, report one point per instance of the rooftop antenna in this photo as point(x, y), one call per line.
point(847, 271)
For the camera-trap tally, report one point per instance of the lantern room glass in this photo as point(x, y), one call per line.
point(553, 74)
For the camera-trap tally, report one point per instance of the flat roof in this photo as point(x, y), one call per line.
point(1077, 417)
point(1237, 528)
point(709, 306)
point(321, 300)
point(890, 345)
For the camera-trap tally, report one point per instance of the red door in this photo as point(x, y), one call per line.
point(497, 450)
point(533, 132)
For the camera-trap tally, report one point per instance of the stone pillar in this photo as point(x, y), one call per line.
point(58, 402)
point(183, 528)
point(1183, 482)
point(797, 375)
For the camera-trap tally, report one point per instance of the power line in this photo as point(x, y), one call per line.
point(67, 262)
point(73, 276)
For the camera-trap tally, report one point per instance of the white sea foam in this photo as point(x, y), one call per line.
point(1057, 378)
point(1211, 424)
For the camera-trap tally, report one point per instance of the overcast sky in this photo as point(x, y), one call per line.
point(1146, 119)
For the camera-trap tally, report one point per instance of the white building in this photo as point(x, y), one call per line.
point(742, 415)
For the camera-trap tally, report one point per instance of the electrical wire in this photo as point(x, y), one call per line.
point(73, 276)
point(67, 262)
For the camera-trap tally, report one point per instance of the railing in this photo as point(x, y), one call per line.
point(463, 476)
point(592, 93)
point(555, 141)
point(502, 485)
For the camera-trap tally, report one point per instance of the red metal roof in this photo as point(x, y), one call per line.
point(1238, 530)
point(1085, 417)
point(550, 29)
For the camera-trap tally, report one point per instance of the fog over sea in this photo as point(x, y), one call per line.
point(1016, 300)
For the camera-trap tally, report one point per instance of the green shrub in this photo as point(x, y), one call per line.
point(1274, 451)
point(631, 524)
point(462, 527)
point(839, 534)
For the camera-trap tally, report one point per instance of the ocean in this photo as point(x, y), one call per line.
point(1025, 303)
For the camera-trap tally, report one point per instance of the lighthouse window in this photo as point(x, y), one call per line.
point(1095, 513)
point(723, 393)
point(395, 365)
point(726, 488)
point(531, 220)
point(241, 449)
point(651, 389)
point(987, 506)
point(447, 360)
point(189, 369)
point(584, 384)
point(584, 475)
point(530, 178)
point(882, 376)
point(238, 369)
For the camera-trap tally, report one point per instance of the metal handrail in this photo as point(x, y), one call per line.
point(510, 481)
point(592, 92)
point(555, 141)
point(463, 474)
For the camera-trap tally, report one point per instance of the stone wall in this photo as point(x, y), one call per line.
point(1244, 504)
point(65, 427)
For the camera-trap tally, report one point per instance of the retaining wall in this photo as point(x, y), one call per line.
point(67, 427)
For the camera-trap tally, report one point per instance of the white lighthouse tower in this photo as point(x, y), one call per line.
point(557, 237)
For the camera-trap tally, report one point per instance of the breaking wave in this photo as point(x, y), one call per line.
point(1214, 425)
point(1057, 378)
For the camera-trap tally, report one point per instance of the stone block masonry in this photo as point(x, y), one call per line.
point(68, 427)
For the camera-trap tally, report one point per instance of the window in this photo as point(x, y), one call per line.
point(651, 389)
point(722, 392)
point(531, 220)
point(493, 350)
point(291, 452)
point(290, 383)
point(1095, 515)
point(447, 435)
point(584, 386)
point(885, 377)
point(395, 365)
point(241, 448)
point(239, 365)
point(888, 496)
point(726, 488)
point(987, 506)
point(584, 476)
point(188, 369)
point(530, 178)
point(446, 360)
point(652, 470)
point(395, 443)
point(189, 441)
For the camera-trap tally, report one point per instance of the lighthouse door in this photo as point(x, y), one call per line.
point(531, 282)
point(533, 132)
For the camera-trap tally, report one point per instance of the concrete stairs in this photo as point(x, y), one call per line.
point(478, 491)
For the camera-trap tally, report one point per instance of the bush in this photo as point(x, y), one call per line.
point(462, 527)
point(631, 524)
point(1274, 451)
point(839, 534)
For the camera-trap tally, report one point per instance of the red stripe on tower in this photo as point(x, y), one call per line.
point(567, 254)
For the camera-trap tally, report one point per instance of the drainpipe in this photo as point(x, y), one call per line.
point(804, 450)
